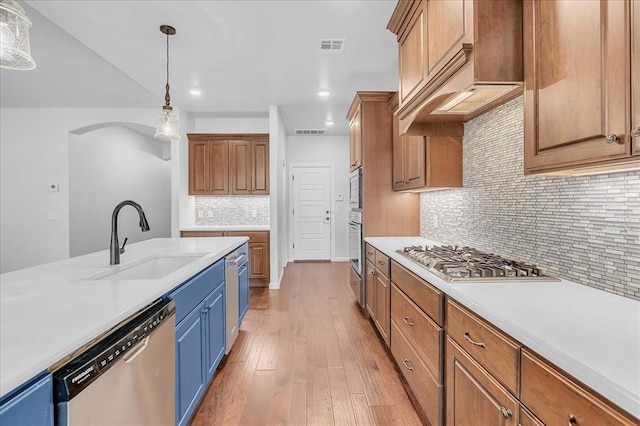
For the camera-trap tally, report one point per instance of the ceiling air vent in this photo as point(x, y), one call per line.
point(314, 132)
point(332, 45)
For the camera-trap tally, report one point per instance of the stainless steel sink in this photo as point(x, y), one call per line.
point(150, 269)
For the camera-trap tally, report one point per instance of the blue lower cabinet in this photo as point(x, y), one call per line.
point(200, 336)
point(190, 378)
point(32, 405)
point(215, 331)
point(243, 284)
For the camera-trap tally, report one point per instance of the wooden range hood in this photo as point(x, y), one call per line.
point(457, 60)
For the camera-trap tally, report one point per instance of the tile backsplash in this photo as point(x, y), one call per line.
point(582, 228)
point(221, 210)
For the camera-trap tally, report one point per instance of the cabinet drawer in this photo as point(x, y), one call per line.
point(254, 236)
point(490, 347)
point(382, 263)
point(425, 389)
point(190, 294)
point(370, 253)
point(554, 398)
point(423, 294)
point(424, 335)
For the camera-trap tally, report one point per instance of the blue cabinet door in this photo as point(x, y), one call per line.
point(190, 377)
point(215, 330)
point(243, 297)
point(30, 406)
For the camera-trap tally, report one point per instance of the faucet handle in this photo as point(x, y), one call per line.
point(123, 243)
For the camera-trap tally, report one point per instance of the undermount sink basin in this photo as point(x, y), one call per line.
point(151, 269)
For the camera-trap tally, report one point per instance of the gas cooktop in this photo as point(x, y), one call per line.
point(455, 263)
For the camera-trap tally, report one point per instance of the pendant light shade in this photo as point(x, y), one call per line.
point(167, 120)
point(15, 49)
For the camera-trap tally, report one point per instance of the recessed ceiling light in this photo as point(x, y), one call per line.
point(195, 92)
point(329, 123)
point(324, 93)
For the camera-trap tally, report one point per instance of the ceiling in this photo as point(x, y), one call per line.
point(244, 56)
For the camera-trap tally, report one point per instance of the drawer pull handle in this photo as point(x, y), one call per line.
point(408, 321)
point(572, 420)
point(380, 262)
point(406, 365)
point(506, 413)
point(370, 253)
point(468, 338)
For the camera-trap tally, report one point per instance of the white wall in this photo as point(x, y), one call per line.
point(34, 153)
point(231, 124)
point(110, 165)
point(278, 194)
point(332, 150)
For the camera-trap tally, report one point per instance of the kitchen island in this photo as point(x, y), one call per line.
point(591, 335)
point(49, 311)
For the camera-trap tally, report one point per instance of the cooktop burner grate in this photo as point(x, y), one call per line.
point(455, 263)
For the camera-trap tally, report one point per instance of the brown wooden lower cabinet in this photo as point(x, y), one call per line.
point(557, 400)
point(528, 419)
point(425, 389)
point(258, 252)
point(378, 294)
point(473, 396)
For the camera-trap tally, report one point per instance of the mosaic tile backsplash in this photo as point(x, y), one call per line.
point(221, 210)
point(582, 228)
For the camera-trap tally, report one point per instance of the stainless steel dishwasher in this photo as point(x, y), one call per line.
point(232, 306)
point(126, 378)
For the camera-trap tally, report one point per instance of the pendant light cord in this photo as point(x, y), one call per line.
point(167, 98)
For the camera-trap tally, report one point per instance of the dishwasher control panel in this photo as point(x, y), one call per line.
point(125, 340)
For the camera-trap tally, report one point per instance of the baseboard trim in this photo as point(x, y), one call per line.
point(340, 259)
point(274, 286)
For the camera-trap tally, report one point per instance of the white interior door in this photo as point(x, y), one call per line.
point(311, 213)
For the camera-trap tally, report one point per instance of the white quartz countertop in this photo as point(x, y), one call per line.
point(591, 334)
point(228, 228)
point(49, 311)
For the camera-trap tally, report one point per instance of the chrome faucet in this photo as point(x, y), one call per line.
point(115, 249)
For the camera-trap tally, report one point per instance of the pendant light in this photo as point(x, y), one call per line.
point(167, 121)
point(15, 49)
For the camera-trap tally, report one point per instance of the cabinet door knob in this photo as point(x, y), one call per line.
point(572, 420)
point(635, 132)
point(613, 138)
point(506, 413)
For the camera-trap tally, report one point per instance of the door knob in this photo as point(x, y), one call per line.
point(326, 218)
point(613, 138)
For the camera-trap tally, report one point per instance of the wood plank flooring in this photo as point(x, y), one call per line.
point(306, 356)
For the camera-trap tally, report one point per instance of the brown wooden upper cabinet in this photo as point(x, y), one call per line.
point(249, 167)
point(457, 59)
point(355, 141)
point(227, 164)
point(582, 85)
point(425, 162)
point(208, 167)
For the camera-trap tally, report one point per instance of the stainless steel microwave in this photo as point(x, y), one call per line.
point(355, 189)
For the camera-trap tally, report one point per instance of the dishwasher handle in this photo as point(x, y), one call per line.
point(137, 351)
point(236, 260)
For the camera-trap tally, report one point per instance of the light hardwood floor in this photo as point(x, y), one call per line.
point(306, 356)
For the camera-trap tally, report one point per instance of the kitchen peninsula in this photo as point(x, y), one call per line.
point(49, 311)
